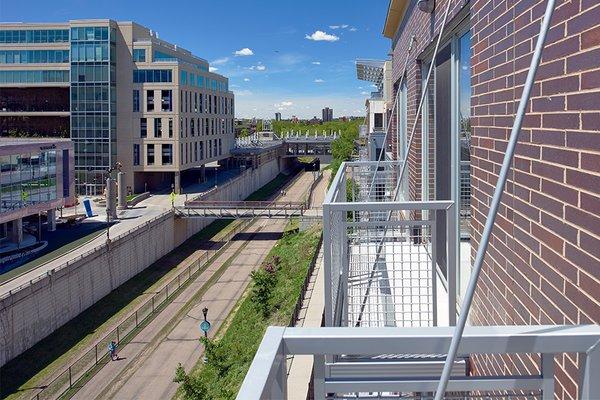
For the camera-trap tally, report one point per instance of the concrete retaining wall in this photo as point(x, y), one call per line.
point(31, 314)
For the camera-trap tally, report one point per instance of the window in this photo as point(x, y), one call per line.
point(170, 127)
point(166, 103)
point(136, 100)
point(139, 55)
point(192, 126)
point(195, 102)
point(34, 36)
point(45, 76)
point(447, 142)
point(220, 147)
point(136, 154)
point(34, 56)
point(167, 154)
point(150, 154)
point(183, 79)
point(143, 127)
point(378, 121)
point(152, 75)
point(157, 127)
point(149, 100)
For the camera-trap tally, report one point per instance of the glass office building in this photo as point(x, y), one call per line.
point(61, 80)
point(36, 175)
point(93, 105)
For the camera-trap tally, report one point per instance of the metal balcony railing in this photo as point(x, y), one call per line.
point(266, 378)
point(384, 259)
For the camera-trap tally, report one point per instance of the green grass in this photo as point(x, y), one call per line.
point(269, 188)
point(234, 350)
point(31, 368)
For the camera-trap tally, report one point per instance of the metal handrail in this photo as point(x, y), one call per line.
point(266, 378)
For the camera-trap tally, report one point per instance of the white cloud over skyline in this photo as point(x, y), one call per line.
point(319, 80)
point(220, 61)
point(263, 105)
point(316, 63)
point(319, 36)
point(244, 52)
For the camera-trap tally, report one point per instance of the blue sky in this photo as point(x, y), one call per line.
point(286, 71)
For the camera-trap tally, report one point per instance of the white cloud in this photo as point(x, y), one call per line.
point(283, 106)
point(319, 36)
point(319, 81)
point(334, 26)
point(257, 67)
point(243, 93)
point(316, 63)
point(220, 61)
point(246, 79)
point(263, 105)
point(353, 29)
point(212, 69)
point(244, 52)
point(364, 93)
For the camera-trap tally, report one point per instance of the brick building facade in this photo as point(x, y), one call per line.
point(543, 262)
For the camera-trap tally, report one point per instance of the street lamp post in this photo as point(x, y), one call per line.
point(204, 327)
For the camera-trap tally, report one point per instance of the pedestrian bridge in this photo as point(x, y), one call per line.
point(241, 209)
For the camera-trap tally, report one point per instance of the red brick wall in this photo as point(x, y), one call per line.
point(543, 263)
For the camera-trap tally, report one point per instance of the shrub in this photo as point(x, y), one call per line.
point(264, 281)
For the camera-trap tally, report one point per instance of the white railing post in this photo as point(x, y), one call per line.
point(319, 377)
point(589, 387)
point(547, 368)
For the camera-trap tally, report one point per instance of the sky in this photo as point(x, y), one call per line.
point(288, 56)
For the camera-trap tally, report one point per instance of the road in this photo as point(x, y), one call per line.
point(148, 362)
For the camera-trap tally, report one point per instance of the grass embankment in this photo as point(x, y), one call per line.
point(230, 356)
point(64, 345)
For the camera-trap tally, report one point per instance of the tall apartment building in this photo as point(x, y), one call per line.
point(327, 114)
point(121, 94)
point(543, 263)
point(277, 116)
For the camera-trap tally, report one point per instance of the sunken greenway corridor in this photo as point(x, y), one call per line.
point(148, 362)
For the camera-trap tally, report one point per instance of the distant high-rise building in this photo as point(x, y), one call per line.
point(327, 114)
point(277, 116)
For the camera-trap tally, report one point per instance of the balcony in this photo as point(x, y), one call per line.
point(266, 378)
point(388, 261)
point(390, 271)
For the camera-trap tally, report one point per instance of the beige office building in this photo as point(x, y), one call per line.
point(122, 95)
